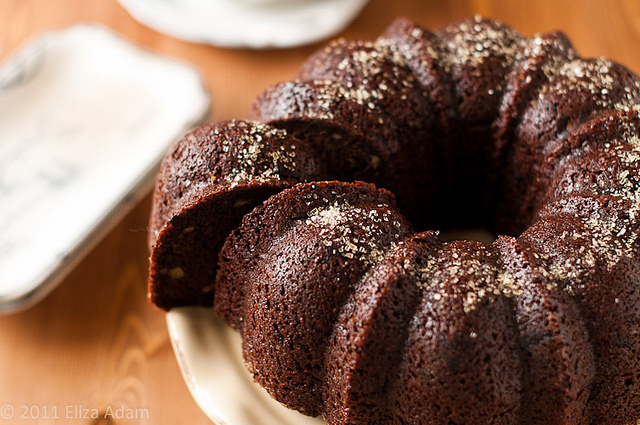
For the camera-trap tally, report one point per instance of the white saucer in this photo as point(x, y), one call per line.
point(210, 357)
point(85, 118)
point(247, 23)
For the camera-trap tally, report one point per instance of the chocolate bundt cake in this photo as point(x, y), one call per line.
point(306, 229)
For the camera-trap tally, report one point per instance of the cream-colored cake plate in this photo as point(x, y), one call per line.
point(85, 118)
point(210, 357)
point(256, 24)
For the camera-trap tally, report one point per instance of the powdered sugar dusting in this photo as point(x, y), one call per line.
point(461, 272)
point(475, 41)
point(256, 161)
point(367, 242)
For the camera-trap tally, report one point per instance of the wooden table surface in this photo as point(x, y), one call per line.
point(94, 343)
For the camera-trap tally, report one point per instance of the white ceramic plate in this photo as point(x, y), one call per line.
point(210, 357)
point(247, 23)
point(85, 118)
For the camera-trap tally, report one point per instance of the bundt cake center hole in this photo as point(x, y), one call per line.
point(474, 234)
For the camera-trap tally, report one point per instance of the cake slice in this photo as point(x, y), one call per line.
point(206, 184)
point(288, 269)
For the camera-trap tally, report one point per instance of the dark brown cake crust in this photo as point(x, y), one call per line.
point(344, 310)
point(552, 343)
point(577, 93)
point(347, 135)
point(460, 354)
point(594, 256)
point(362, 109)
point(369, 335)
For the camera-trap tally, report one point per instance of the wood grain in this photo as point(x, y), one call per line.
point(95, 343)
